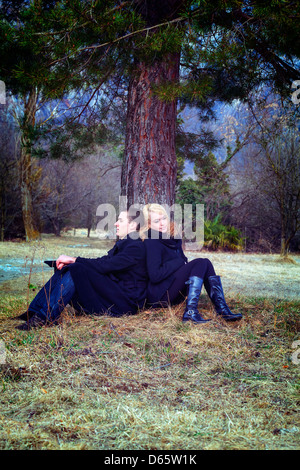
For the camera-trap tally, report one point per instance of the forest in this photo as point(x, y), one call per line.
point(224, 130)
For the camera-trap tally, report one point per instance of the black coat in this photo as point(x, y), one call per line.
point(115, 283)
point(164, 257)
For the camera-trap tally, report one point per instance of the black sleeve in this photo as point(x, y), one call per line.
point(121, 261)
point(157, 269)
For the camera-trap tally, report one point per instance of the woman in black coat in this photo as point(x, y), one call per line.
point(172, 277)
point(114, 284)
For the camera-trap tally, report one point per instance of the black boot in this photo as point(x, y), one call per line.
point(216, 294)
point(34, 322)
point(191, 312)
point(25, 316)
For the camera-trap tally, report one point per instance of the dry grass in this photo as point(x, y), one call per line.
point(149, 381)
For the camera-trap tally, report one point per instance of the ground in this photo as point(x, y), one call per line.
point(149, 381)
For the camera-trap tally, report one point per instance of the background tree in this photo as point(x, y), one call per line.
point(161, 51)
point(209, 186)
point(41, 97)
point(10, 204)
point(21, 60)
point(208, 40)
point(279, 142)
point(165, 51)
point(265, 176)
point(71, 191)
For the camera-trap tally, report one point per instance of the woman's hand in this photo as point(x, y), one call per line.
point(64, 260)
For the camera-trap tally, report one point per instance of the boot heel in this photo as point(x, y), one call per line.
point(216, 295)
point(191, 311)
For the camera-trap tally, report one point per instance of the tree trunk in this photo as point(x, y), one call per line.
point(26, 167)
point(283, 245)
point(150, 167)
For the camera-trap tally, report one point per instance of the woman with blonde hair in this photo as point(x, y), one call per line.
point(171, 276)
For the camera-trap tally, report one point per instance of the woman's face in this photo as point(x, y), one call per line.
point(158, 222)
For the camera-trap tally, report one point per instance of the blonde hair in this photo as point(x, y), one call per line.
point(147, 209)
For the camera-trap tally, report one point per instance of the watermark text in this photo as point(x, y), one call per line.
point(2, 93)
point(296, 93)
point(187, 220)
point(2, 352)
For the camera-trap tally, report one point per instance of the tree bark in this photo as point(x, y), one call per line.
point(150, 167)
point(31, 231)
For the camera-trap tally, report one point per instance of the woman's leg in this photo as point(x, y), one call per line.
point(200, 267)
point(188, 282)
point(215, 292)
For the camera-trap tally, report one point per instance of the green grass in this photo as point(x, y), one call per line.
point(149, 381)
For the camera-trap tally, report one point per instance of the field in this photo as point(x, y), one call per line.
point(150, 382)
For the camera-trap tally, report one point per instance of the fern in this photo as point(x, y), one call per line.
point(219, 236)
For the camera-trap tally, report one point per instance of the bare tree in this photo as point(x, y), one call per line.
point(281, 164)
point(70, 192)
point(267, 174)
point(10, 203)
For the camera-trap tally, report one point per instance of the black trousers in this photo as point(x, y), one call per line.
point(200, 267)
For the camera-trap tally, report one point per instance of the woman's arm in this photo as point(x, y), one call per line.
point(159, 268)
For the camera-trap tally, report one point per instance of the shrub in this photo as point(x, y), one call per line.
point(219, 236)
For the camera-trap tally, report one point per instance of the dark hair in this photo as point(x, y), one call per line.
point(136, 212)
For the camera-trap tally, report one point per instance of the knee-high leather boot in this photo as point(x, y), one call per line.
point(191, 311)
point(216, 294)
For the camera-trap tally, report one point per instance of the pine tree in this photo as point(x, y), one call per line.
point(166, 51)
point(24, 67)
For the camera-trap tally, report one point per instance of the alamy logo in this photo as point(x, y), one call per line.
point(2, 93)
point(2, 352)
point(295, 358)
point(188, 220)
point(296, 93)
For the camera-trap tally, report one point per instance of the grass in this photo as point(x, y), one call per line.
point(149, 381)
